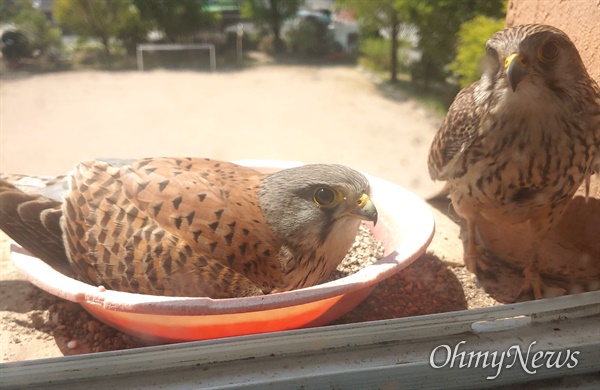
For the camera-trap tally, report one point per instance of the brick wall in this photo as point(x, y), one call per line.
point(579, 19)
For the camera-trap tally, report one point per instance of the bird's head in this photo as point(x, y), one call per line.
point(310, 205)
point(533, 54)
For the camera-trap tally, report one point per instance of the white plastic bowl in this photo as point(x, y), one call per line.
point(405, 227)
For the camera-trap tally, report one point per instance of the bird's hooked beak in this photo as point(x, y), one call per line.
point(516, 69)
point(365, 209)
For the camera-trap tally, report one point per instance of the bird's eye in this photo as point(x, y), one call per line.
point(492, 53)
point(548, 52)
point(491, 59)
point(324, 196)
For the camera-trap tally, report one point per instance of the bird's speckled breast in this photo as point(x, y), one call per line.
point(521, 163)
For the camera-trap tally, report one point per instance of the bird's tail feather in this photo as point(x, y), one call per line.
point(33, 221)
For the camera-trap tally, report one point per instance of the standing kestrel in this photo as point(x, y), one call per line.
point(193, 227)
point(515, 145)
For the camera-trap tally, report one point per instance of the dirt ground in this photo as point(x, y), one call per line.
point(331, 114)
point(310, 114)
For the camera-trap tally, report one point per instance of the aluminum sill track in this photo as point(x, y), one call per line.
point(382, 354)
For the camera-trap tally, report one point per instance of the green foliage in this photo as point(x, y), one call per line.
point(134, 30)
point(375, 53)
point(14, 47)
point(88, 53)
point(178, 19)
point(438, 22)
point(472, 37)
point(272, 14)
point(39, 32)
point(375, 15)
point(93, 18)
point(9, 9)
point(310, 37)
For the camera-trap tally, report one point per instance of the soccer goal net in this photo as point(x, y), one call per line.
point(168, 46)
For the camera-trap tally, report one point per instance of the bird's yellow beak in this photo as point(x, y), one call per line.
point(516, 70)
point(365, 209)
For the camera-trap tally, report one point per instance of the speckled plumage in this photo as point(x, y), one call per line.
point(193, 227)
point(515, 145)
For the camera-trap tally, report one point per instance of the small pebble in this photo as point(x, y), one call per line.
point(93, 325)
point(72, 344)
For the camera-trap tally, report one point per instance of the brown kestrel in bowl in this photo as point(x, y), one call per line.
point(515, 145)
point(191, 227)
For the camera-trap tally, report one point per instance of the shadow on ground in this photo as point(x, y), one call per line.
point(565, 254)
point(427, 286)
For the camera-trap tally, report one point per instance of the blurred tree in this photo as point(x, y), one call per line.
point(310, 37)
point(472, 38)
point(271, 13)
point(14, 47)
point(42, 35)
point(134, 30)
point(375, 53)
point(438, 22)
point(380, 14)
point(176, 18)
point(93, 18)
point(9, 9)
point(38, 30)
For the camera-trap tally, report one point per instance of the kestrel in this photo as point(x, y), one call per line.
point(515, 145)
point(193, 227)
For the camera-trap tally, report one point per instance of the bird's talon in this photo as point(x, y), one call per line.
point(474, 261)
point(533, 283)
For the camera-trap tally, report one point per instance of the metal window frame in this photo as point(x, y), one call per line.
point(379, 354)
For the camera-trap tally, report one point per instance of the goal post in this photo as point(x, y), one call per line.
point(168, 46)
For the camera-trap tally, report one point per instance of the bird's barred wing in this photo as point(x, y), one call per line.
point(212, 205)
point(446, 156)
point(168, 227)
